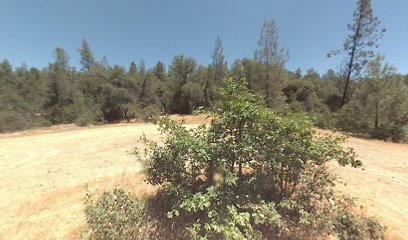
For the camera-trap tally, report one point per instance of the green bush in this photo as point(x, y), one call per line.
point(351, 118)
point(405, 133)
point(139, 113)
point(354, 227)
point(399, 134)
point(382, 132)
point(119, 215)
point(252, 174)
point(40, 122)
point(149, 112)
point(12, 121)
point(116, 215)
point(87, 118)
point(325, 120)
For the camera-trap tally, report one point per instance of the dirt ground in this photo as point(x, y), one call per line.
point(381, 185)
point(45, 173)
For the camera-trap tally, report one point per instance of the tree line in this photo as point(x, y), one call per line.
point(366, 96)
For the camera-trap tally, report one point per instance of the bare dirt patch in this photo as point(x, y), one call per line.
point(44, 175)
point(382, 184)
point(192, 119)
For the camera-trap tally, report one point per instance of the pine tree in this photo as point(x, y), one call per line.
point(273, 59)
point(133, 69)
point(217, 72)
point(60, 89)
point(358, 47)
point(160, 71)
point(87, 58)
point(143, 80)
point(377, 75)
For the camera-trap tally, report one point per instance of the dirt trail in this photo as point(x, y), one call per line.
point(44, 174)
point(382, 184)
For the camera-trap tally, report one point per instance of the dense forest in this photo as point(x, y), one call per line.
point(367, 96)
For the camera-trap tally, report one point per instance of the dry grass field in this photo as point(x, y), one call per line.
point(45, 173)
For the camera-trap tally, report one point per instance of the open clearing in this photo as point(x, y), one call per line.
point(44, 175)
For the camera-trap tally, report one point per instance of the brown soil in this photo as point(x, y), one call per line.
point(381, 185)
point(44, 175)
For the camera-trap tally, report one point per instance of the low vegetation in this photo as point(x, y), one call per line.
point(250, 174)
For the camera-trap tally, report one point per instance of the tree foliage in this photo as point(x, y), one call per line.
point(251, 174)
point(380, 104)
point(99, 92)
point(87, 58)
point(272, 59)
point(217, 71)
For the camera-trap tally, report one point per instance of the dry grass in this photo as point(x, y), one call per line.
point(192, 119)
point(44, 175)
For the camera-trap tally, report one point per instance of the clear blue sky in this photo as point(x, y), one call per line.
point(152, 30)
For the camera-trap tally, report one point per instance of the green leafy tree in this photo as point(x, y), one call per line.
point(250, 70)
point(307, 95)
point(332, 84)
point(379, 105)
point(251, 174)
point(181, 72)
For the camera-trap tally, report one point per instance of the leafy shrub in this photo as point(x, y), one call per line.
point(399, 134)
point(351, 119)
point(40, 121)
point(119, 215)
point(116, 215)
point(325, 120)
point(252, 174)
point(199, 110)
point(136, 112)
point(382, 132)
point(87, 118)
point(12, 121)
point(354, 227)
point(150, 112)
point(302, 96)
point(405, 133)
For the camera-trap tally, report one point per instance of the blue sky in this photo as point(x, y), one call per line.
point(152, 30)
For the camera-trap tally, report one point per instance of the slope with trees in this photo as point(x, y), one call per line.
point(99, 92)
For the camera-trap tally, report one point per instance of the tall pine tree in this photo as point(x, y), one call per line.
point(273, 58)
point(358, 47)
